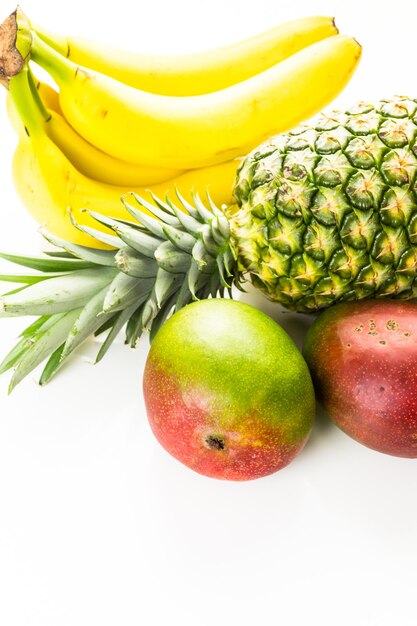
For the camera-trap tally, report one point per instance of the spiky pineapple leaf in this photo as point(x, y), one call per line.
point(14, 355)
point(58, 294)
point(52, 365)
point(60, 254)
point(118, 323)
point(54, 265)
point(134, 327)
point(92, 256)
point(98, 235)
point(86, 323)
point(33, 329)
point(43, 345)
point(28, 279)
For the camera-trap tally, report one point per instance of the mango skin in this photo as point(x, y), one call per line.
point(363, 361)
point(227, 392)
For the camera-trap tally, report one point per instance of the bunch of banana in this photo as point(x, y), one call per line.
point(124, 122)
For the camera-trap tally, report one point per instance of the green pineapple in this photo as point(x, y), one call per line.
point(329, 212)
point(324, 214)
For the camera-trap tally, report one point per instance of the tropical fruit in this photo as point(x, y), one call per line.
point(328, 212)
point(199, 72)
point(362, 358)
point(198, 131)
point(227, 392)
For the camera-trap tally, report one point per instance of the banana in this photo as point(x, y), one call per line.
point(88, 159)
point(199, 131)
point(197, 73)
point(49, 185)
point(49, 96)
point(98, 165)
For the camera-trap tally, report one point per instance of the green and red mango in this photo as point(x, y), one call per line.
point(227, 392)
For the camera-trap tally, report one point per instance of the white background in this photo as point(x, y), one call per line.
point(98, 525)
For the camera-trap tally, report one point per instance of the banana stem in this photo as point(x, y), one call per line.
point(28, 110)
point(61, 69)
point(36, 96)
point(15, 45)
point(58, 42)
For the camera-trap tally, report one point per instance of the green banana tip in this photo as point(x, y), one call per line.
point(15, 45)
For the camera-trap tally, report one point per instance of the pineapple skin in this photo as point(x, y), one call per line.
point(328, 212)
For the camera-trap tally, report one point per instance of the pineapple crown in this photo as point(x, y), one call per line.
point(164, 259)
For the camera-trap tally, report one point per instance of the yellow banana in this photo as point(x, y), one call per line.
point(49, 96)
point(198, 131)
point(196, 73)
point(98, 165)
point(88, 159)
point(48, 184)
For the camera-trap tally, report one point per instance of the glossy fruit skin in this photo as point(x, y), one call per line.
point(362, 357)
point(227, 392)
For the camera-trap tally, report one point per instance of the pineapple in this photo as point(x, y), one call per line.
point(329, 212)
point(323, 214)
